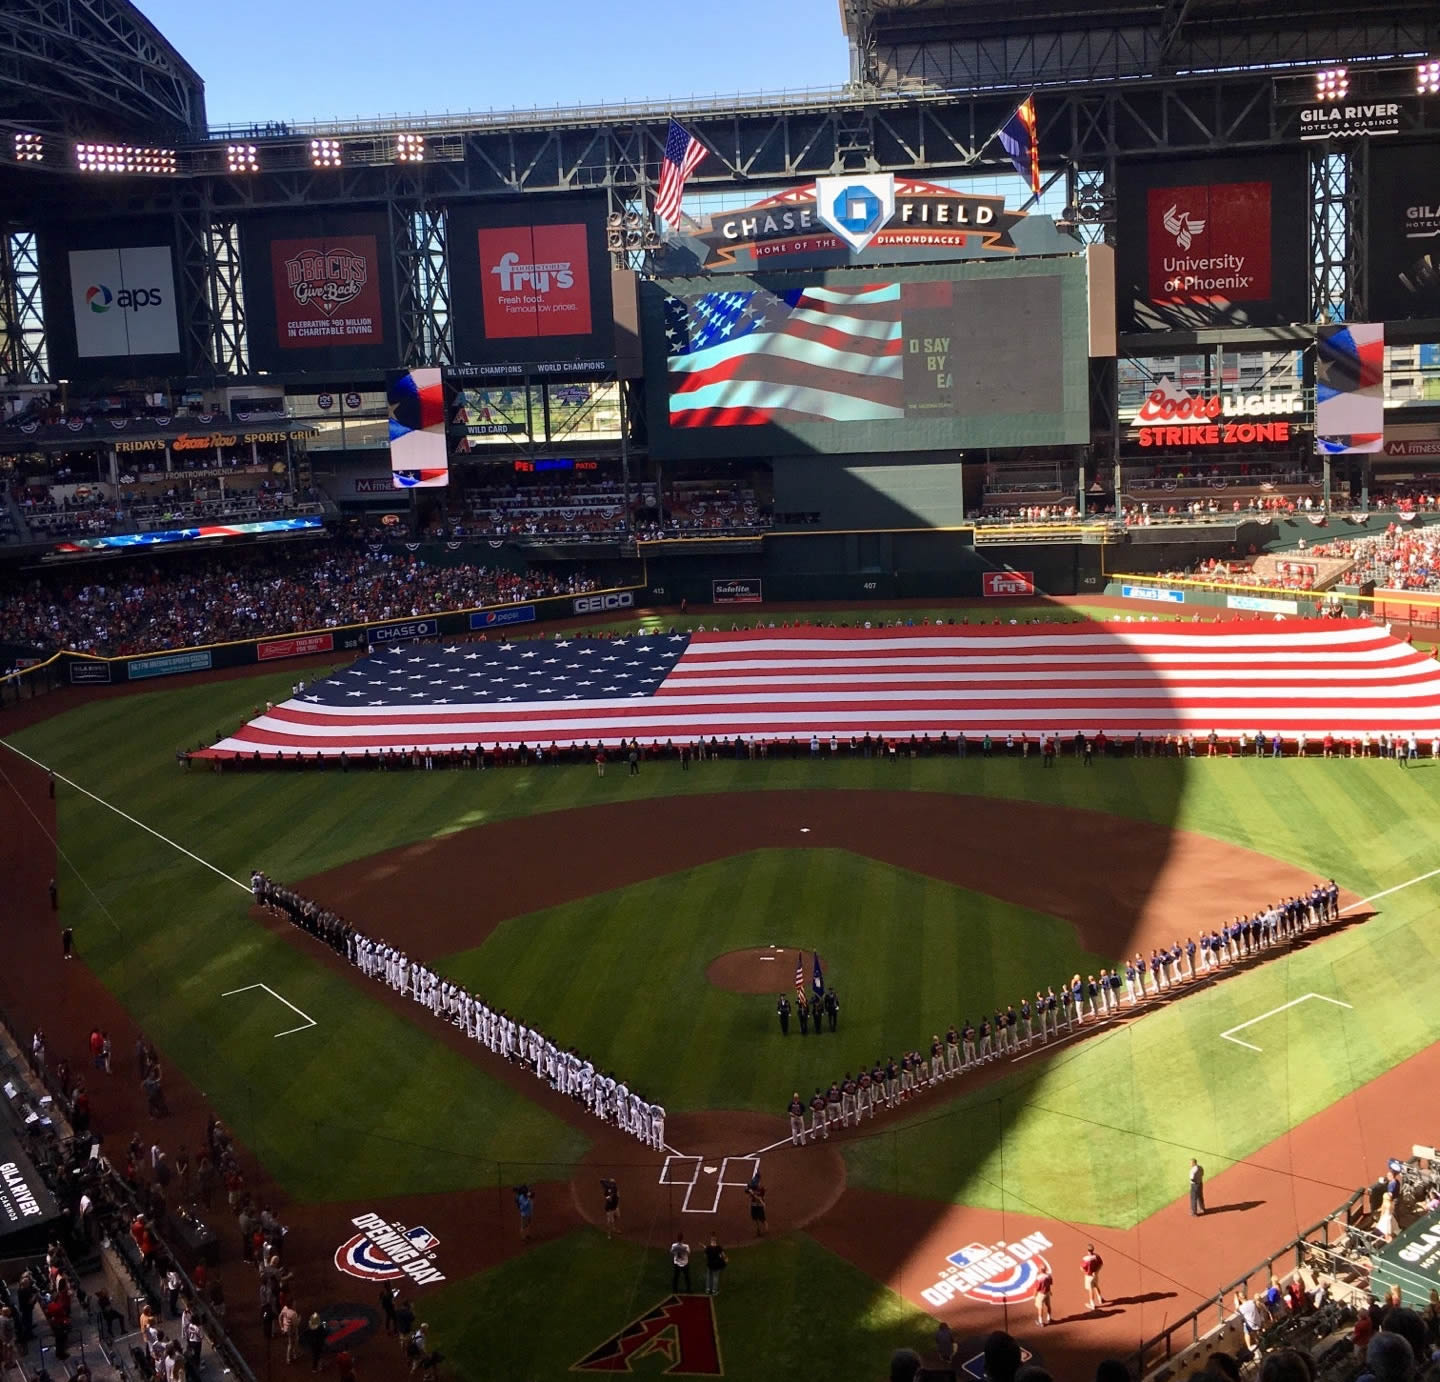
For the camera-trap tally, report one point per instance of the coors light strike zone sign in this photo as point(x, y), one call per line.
point(327, 293)
point(1170, 416)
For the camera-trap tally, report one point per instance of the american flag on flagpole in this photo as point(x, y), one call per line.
point(745, 357)
point(800, 973)
point(1291, 677)
point(683, 155)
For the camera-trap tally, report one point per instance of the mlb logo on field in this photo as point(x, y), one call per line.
point(992, 1273)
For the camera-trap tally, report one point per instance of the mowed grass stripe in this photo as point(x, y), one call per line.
point(906, 954)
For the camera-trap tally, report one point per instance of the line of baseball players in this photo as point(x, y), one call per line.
point(566, 1071)
point(889, 1083)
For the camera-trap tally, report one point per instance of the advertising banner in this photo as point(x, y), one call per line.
point(111, 299)
point(739, 590)
point(295, 647)
point(123, 302)
point(941, 357)
point(498, 618)
point(403, 633)
point(530, 285)
point(169, 665)
point(89, 673)
point(1153, 592)
point(604, 604)
point(1403, 239)
point(1349, 388)
point(319, 291)
point(1212, 242)
point(997, 584)
point(861, 219)
point(1262, 604)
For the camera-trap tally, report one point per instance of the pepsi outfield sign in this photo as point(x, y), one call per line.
point(497, 618)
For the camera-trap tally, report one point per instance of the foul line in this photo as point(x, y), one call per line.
point(1375, 897)
point(149, 830)
point(289, 1031)
point(1250, 1045)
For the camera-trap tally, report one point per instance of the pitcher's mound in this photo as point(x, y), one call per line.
point(761, 970)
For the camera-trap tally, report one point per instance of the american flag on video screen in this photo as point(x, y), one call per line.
point(748, 356)
point(1033, 679)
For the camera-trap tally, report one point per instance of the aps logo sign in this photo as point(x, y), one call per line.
point(386, 1251)
point(100, 298)
point(992, 1273)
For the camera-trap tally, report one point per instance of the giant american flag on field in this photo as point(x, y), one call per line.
point(746, 356)
point(1281, 677)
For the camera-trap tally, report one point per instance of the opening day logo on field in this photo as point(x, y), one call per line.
point(993, 1273)
point(385, 1251)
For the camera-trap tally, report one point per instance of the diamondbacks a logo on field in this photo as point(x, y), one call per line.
point(992, 1273)
point(328, 278)
point(386, 1251)
point(680, 1329)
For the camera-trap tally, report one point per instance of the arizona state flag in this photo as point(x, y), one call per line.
point(1020, 136)
point(819, 978)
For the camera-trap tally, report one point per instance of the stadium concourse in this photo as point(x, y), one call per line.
point(1274, 687)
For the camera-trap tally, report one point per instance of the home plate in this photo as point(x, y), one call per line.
point(804, 829)
point(710, 1170)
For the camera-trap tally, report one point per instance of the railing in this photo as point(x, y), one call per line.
point(720, 103)
point(1188, 1331)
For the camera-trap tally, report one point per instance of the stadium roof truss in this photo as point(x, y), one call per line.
point(94, 67)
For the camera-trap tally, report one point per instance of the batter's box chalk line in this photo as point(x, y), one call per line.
point(707, 1180)
point(1304, 997)
point(289, 1031)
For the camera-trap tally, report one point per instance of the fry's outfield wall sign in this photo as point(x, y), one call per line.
point(869, 218)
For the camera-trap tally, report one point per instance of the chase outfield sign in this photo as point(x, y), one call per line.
point(386, 1251)
point(992, 1273)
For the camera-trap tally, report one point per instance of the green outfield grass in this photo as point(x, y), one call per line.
point(367, 1104)
point(906, 955)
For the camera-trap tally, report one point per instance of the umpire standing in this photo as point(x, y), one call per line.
point(782, 1011)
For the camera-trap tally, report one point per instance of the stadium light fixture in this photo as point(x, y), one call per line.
point(241, 158)
point(325, 153)
point(1427, 78)
point(409, 148)
point(1333, 84)
point(124, 158)
point(29, 148)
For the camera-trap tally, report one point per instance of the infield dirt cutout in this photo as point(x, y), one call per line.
point(758, 969)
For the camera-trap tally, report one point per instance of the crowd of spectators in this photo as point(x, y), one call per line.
point(139, 608)
point(1397, 559)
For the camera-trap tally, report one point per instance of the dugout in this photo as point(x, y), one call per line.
point(27, 1208)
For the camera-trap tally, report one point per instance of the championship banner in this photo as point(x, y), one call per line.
point(1212, 242)
point(1349, 388)
point(319, 291)
point(1403, 240)
point(839, 221)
